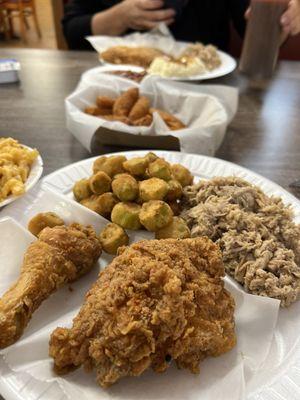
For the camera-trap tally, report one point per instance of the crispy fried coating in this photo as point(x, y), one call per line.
point(141, 56)
point(105, 103)
point(60, 255)
point(173, 123)
point(125, 102)
point(156, 301)
point(119, 118)
point(144, 121)
point(140, 109)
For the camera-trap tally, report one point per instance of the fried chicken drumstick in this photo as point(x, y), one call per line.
point(60, 255)
point(156, 301)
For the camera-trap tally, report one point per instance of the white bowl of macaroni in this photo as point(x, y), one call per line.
point(20, 169)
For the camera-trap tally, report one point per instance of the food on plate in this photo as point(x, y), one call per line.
point(60, 255)
point(127, 215)
point(134, 182)
point(153, 189)
point(174, 191)
point(131, 109)
point(140, 109)
point(43, 220)
point(112, 165)
point(161, 169)
point(136, 166)
point(155, 215)
point(256, 233)
point(81, 189)
point(112, 237)
point(182, 175)
point(207, 54)
point(124, 103)
point(128, 74)
point(15, 165)
point(168, 67)
point(102, 205)
point(177, 229)
point(158, 300)
point(140, 56)
point(196, 59)
point(170, 120)
point(125, 187)
point(100, 183)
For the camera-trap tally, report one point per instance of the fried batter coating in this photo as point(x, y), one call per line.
point(125, 187)
point(144, 121)
point(153, 189)
point(173, 123)
point(112, 237)
point(155, 215)
point(81, 189)
point(117, 118)
point(175, 190)
point(140, 109)
point(156, 301)
point(105, 103)
point(125, 102)
point(112, 165)
point(60, 255)
point(177, 229)
point(102, 205)
point(100, 183)
point(42, 220)
point(136, 166)
point(182, 175)
point(141, 56)
point(127, 215)
point(160, 168)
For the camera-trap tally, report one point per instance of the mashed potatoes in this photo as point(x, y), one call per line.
point(168, 67)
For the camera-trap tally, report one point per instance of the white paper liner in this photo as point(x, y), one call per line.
point(220, 378)
point(206, 110)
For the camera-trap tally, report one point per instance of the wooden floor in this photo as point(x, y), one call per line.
point(47, 41)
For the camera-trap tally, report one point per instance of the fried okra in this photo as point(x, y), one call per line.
point(127, 215)
point(177, 229)
point(81, 189)
point(112, 165)
point(43, 220)
point(160, 169)
point(136, 166)
point(100, 183)
point(102, 205)
point(150, 157)
point(125, 187)
point(112, 237)
point(182, 175)
point(174, 190)
point(153, 189)
point(155, 215)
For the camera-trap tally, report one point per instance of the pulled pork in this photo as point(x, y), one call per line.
point(256, 233)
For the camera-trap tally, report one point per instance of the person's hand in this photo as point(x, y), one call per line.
point(145, 14)
point(290, 20)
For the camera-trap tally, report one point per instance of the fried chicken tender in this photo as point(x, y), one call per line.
point(156, 301)
point(125, 102)
point(140, 109)
point(141, 56)
point(61, 255)
point(105, 103)
point(173, 123)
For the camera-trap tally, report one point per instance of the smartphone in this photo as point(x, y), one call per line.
point(177, 5)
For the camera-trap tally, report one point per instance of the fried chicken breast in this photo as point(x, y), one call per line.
point(61, 254)
point(158, 300)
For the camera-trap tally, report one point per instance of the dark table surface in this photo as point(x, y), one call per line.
point(264, 136)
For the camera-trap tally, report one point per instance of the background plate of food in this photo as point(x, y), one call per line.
point(268, 360)
point(159, 54)
point(21, 167)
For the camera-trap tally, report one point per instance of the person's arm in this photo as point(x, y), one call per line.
point(77, 22)
point(237, 9)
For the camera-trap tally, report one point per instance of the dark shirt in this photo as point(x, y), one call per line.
point(207, 21)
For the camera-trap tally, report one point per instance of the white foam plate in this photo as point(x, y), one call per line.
point(228, 64)
point(279, 379)
point(34, 175)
